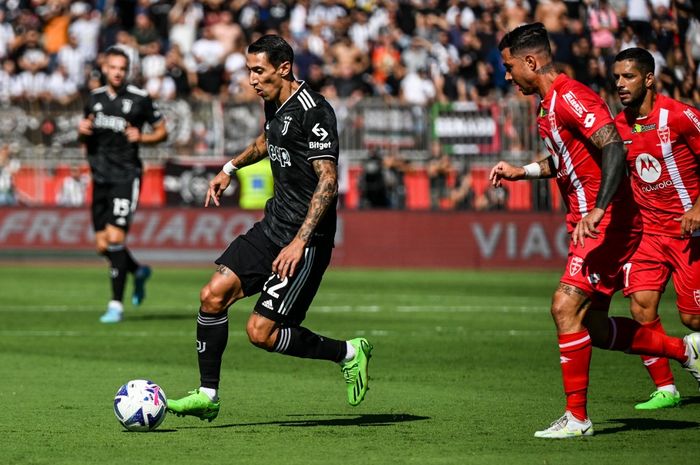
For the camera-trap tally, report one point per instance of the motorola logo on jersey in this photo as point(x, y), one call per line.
point(648, 168)
point(280, 155)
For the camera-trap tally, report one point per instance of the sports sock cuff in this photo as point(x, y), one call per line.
point(212, 319)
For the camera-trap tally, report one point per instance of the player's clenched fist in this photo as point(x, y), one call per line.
point(85, 125)
point(504, 170)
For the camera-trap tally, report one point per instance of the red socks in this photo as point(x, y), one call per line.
point(575, 357)
point(658, 367)
point(629, 336)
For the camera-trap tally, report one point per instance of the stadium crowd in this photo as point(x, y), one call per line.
point(416, 51)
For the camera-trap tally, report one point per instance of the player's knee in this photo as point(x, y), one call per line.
point(210, 301)
point(691, 321)
point(259, 336)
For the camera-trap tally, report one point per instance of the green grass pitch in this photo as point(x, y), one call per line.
point(465, 369)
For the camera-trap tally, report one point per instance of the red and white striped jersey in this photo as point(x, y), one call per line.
point(569, 115)
point(662, 153)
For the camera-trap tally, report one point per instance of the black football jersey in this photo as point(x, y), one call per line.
point(111, 156)
point(300, 131)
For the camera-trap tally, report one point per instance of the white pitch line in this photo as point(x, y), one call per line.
point(317, 309)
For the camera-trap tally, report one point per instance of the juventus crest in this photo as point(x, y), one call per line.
point(126, 105)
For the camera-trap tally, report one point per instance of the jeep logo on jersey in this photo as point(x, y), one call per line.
point(279, 154)
point(575, 265)
point(648, 168)
point(126, 105)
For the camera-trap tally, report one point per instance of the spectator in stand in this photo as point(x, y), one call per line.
point(417, 88)
point(185, 17)
point(56, 20)
point(228, 33)
point(60, 88)
point(157, 83)
point(73, 61)
point(73, 190)
point(494, 199)
point(604, 24)
point(85, 26)
point(372, 186)
point(462, 196)
point(692, 44)
point(639, 18)
point(7, 35)
point(177, 71)
point(145, 34)
point(209, 55)
point(7, 80)
point(395, 170)
point(8, 167)
point(439, 167)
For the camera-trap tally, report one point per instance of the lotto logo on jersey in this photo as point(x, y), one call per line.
point(693, 118)
point(575, 265)
point(648, 168)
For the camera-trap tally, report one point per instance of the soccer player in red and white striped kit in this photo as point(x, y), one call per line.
point(587, 157)
point(662, 137)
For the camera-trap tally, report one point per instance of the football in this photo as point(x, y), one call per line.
point(140, 405)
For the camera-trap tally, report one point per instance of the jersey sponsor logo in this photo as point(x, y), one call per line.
point(97, 107)
point(575, 265)
point(115, 123)
point(319, 131)
point(315, 145)
point(659, 186)
point(648, 168)
point(664, 135)
point(280, 155)
point(563, 359)
point(637, 128)
point(693, 118)
point(126, 105)
point(575, 104)
point(696, 296)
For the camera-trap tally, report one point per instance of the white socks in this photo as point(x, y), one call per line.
point(211, 393)
point(351, 352)
point(668, 388)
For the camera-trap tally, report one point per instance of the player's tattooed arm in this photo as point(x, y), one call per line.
point(223, 270)
point(252, 154)
point(324, 195)
point(609, 141)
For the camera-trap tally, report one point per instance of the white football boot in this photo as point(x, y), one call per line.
point(567, 426)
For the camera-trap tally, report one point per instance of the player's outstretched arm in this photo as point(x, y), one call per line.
point(251, 154)
point(326, 191)
point(609, 141)
point(503, 170)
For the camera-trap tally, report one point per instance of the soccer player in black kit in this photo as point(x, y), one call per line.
point(111, 132)
point(282, 257)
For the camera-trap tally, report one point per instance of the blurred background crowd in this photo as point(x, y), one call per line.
point(416, 53)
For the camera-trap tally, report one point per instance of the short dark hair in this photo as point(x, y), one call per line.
point(526, 37)
point(277, 49)
point(116, 50)
point(643, 59)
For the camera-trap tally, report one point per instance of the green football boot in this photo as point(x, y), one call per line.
point(356, 372)
point(196, 404)
point(660, 399)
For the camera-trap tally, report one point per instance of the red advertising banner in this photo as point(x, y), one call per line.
point(365, 238)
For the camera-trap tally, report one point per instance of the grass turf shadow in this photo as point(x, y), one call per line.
point(642, 424)
point(369, 419)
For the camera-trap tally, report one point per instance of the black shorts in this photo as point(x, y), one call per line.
point(114, 204)
point(286, 301)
